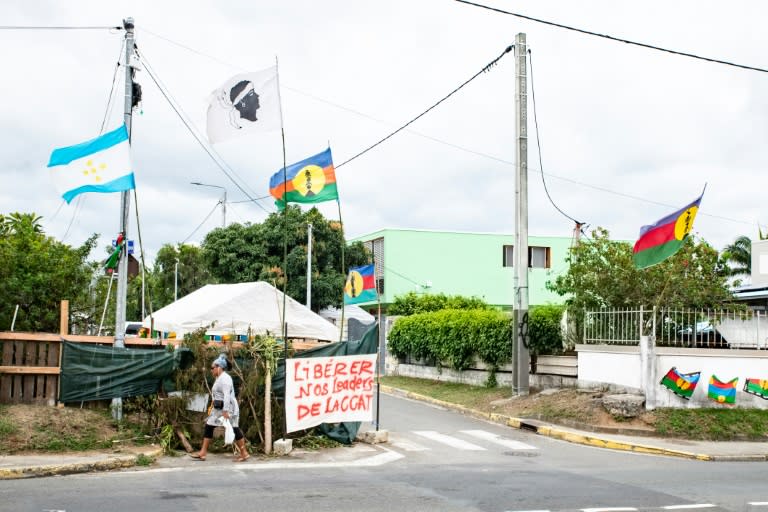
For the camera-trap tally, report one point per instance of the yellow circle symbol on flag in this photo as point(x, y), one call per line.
point(764, 384)
point(720, 398)
point(684, 223)
point(309, 181)
point(683, 384)
point(354, 286)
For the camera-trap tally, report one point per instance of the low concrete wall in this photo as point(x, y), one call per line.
point(621, 366)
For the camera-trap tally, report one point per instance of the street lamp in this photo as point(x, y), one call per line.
point(223, 201)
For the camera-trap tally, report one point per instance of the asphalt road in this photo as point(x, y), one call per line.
point(436, 460)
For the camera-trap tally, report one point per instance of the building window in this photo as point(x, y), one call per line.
point(538, 257)
point(508, 258)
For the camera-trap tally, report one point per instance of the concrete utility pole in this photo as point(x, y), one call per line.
point(125, 203)
point(309, 265)
point(520, 356)
point(125, 196)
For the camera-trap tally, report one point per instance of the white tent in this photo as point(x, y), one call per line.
point(234, 308)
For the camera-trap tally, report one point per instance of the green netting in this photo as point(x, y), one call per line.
point(341, 432)
point(95, 372)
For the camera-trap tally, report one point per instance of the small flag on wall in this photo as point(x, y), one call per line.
point(313, 180)
point(101, 165)
point(681, 384)
point(722, 392)
point(757, 387)
point(663, 238)
point(360, 286)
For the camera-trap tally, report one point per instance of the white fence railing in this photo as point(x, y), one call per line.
point(736, 329)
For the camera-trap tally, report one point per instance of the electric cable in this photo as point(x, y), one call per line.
point(203, 222)
point(228, 171)
point(111, 97)
point(616, 39)
point(456, 146)
point(538, 145)
point(53, 27)
point(486, 68)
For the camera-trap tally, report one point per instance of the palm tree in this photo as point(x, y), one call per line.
point(738, 257)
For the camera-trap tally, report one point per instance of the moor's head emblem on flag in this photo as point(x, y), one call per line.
point(309, 181)
point(241, 101)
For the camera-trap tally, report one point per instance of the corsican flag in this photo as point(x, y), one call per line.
point(99, 165)
point(244, 103)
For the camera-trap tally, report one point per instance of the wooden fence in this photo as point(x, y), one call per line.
point(31, 362)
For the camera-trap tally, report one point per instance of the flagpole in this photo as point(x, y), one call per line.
point(343, 267)
point(283, 323)
point(378, 347)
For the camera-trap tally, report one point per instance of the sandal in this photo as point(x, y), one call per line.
point(242, 458)
point(197, 456)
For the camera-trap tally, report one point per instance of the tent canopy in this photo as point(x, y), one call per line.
point(236, 308)
point(350, 311)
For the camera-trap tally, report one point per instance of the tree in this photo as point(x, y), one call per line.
point(191, 274)
point(738, 257)
point(37, 272)
point(254, 252)
point(602, 274)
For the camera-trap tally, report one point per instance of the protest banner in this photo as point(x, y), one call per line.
point(329, 390)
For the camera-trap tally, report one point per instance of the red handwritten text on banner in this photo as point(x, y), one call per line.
point(329, 390)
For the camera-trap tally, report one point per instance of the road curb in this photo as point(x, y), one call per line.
point(556, 433)
point(116, 462)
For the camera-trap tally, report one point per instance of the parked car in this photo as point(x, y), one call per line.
point(132, 329)
point(702, 335)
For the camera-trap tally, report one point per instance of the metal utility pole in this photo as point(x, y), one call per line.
point(176, 281)
point(125, 203)
point(520, 356)
point(309, 265)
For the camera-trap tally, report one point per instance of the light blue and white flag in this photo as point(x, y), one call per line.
point(99, 165)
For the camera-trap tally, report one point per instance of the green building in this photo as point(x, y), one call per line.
point(460, 263)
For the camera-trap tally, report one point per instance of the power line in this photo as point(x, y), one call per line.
point(616, 39)
point(111, 97)
point(53, 27)
point(450, 144)
point(203, 222)
point(486, 68)
point(228, 171)
point(538, 144)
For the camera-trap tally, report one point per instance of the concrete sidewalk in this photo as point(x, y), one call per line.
point(38, 465)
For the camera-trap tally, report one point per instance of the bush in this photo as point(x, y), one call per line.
point(412, 303)
point(544, 333)
point(454, 337)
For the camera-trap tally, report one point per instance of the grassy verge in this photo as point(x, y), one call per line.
point(711, 424)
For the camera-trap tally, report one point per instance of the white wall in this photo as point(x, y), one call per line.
point(620, 365)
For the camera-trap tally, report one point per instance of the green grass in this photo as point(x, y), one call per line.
point(6, 427)
point(713, 424)
point(143, 460)
point(463, 394)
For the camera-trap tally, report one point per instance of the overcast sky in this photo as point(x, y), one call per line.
point(627, 134)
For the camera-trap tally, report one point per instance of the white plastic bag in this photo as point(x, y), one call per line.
point(229, 432)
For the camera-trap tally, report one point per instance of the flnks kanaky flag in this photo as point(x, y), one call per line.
point(663, 238)
point(245, 103)
point(313, 180)
point(101, 165)
point(360, 285)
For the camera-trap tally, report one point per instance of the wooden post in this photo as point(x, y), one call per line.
point(63, 330)
point(64, 318)
point(268, 411)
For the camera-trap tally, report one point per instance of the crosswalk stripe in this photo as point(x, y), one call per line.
point(493, 438)
point(408, 446)
point(450, 441)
